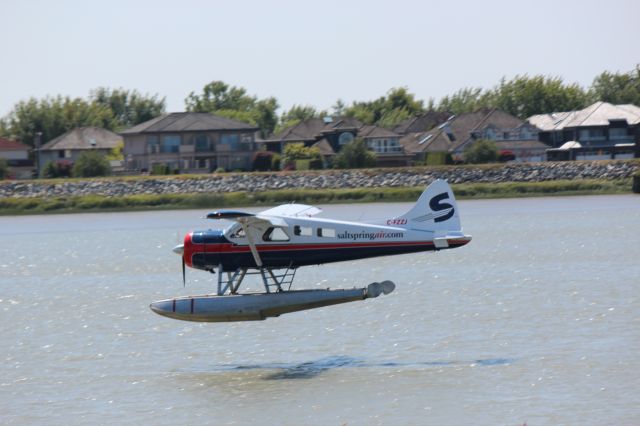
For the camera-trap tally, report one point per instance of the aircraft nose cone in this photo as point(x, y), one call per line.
point(179, 249)
point(163, 307)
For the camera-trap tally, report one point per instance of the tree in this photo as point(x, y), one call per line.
point(233, 102)
point(91, 164)
point(387, 110)
point(296, 114)
point(617, 88)
point(481, 151)
point(53, 116)
point(354, 155)
point(524, 96)
point(464, 100)
point(128, 107)
point(338, 108)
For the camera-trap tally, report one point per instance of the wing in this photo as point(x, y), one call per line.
point(292, 210)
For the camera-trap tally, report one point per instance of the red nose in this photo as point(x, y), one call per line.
point(188, 249)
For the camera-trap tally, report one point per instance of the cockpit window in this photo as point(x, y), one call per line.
point(275, 234)
point(237, 232)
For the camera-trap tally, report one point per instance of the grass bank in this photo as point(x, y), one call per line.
point(96, 203)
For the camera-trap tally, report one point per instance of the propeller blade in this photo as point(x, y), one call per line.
point(184, 279)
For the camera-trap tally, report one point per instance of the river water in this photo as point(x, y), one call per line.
point(537, 320)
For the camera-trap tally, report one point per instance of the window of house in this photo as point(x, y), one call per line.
point(61, 153)
point(170, 144)
point(153, 144)
point(302, 230)
point(275, 234)
point(597, 134)
point(618, 133)
point(201, 143)
point(345, 138)
point(231, 141)
point(326, 232)
point(246, 138)
point(202, 163)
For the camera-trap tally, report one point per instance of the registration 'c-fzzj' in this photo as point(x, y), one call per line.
point(274, 243)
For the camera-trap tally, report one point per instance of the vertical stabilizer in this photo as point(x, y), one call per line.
point(436, 209)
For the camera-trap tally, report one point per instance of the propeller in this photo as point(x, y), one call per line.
point(179, 249)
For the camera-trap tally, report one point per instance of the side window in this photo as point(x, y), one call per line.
point(326, 232)
point(275, 234)
point(302, 230)
point(238, 233)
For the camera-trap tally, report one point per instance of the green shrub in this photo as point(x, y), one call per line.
point(481, 151)
point(91, 164)
point(160, 169)
point(354, 155)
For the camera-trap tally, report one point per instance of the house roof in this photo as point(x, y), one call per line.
point(84, 138)
point(313, 129)
point(597, 114)
point(11, 145)
point(325, 147)
point(422, 123)
point(188, 122)
point(434, 140)
point(457, 131)
point(376, 132)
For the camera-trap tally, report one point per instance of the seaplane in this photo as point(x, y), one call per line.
point(273, 243)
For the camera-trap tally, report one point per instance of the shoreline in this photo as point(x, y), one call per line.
point(14, 206)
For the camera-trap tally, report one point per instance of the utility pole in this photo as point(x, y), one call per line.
point(36, 144)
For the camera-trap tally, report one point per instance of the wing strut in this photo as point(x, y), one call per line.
point(252, 244)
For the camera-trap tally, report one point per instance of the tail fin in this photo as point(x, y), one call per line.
point(435, 210)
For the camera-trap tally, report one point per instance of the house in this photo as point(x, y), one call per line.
point(333, 132)
point(69, 146)
point(386, 145)
point(17, 156)
point(190, 142)
point(330, 134)
point(515, 139)
point(601, 131)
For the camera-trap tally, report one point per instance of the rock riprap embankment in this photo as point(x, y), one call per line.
point(383, 178)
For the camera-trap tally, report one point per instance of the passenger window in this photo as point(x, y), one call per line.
point(327, 232)
point(275, 234)
point(302, 230)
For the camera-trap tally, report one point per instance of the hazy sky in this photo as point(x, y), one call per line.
point(306, 52)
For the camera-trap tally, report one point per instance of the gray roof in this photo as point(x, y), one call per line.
point(453, 134)
point(313, 129)
point(177, 122)
point(597, 114)
point(376, 132)
point(84, 138)
point(422, 122)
